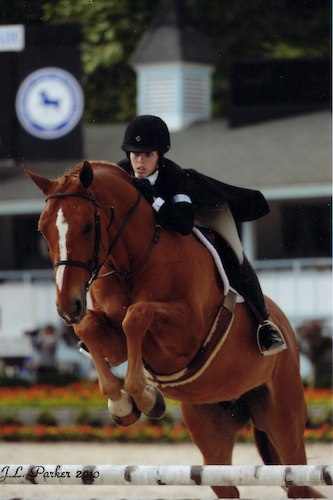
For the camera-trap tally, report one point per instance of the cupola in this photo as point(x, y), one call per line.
point(174, 64)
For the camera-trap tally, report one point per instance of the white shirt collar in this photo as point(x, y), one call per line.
point(152, 177)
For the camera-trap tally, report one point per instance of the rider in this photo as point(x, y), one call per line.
point(182, 198)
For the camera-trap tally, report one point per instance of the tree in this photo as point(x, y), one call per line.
point(111, 31)
point(237, 30)
point(257, 29)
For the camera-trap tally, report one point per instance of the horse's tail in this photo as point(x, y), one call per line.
point(270, 457)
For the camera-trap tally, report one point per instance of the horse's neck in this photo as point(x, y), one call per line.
point(114, 190)
point(137, 235)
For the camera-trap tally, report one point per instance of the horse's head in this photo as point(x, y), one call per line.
point(76, 237)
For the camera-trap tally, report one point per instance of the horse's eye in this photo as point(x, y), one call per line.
point(87, 228)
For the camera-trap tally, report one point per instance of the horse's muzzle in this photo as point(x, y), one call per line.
point(74, 311)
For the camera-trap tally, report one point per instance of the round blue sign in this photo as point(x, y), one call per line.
point(49, 103)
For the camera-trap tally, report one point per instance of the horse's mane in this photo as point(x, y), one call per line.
point(97, 164)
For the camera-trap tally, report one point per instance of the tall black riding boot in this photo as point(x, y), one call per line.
point(270, 339)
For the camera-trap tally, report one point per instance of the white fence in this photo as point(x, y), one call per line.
point(27, 300)
point(300, 292)
point(164, 475)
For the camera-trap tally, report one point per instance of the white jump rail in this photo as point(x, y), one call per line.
point(168, 475)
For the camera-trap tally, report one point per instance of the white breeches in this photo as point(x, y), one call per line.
point(221, 220)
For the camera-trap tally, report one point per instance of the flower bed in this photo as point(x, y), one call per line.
point(85, 397)
point(137, 433)
point(75, 395)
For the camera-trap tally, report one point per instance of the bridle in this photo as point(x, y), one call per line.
point(93, 266)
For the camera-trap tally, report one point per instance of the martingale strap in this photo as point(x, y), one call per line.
point(211, 346)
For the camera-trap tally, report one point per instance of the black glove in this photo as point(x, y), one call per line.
point(145, 188)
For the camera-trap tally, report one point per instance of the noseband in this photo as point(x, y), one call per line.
point(93, 266)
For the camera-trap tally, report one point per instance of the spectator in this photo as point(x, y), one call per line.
point(45, 343)
point(317, 347)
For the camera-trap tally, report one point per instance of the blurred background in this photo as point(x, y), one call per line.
point(245, 88)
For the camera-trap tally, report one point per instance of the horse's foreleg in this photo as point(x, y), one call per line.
point(109, 385)
point(137, 322)
point(105, 344)
point(96, 331)
point(121, 405)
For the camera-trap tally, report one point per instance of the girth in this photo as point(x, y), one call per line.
point(211, 346)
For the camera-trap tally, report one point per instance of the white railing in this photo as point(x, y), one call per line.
point(26, 275)
point(294, 265)
point(301, 287)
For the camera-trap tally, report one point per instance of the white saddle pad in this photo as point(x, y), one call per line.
point(218, 262)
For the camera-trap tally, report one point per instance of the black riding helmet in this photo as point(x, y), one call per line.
point(146, 133)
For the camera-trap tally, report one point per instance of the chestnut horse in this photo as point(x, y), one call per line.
point(157, 302)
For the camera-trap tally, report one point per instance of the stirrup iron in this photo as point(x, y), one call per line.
point(273, 349)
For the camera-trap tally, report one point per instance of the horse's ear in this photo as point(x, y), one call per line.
point(86, 174)
point(42, 183)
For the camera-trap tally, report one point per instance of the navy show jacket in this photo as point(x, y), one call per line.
point(204, 192)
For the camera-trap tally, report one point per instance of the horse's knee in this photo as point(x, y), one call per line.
point(138, 318)
point(90, 323)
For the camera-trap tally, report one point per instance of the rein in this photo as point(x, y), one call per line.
point(126, 221)
point(126, 275)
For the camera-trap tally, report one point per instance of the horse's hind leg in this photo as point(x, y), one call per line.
point(265, 448)
point(271, 457)
point(279, 418)
point(213, 428)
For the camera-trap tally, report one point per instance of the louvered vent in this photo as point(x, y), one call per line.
point(160, 94)
point(194, 95)
point(179, 93)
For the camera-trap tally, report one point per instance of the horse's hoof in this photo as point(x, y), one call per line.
point(124, 410)
point(127, 420)
point(158, 410)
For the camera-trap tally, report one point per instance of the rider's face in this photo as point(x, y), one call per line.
point(144, 164)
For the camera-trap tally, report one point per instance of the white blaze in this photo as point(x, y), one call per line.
point(62, 228)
